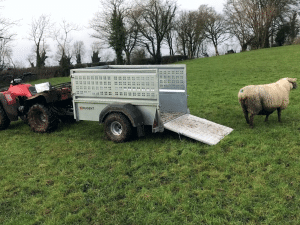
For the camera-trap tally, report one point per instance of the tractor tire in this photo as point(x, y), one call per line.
point(41, 119)
point(4, 120)
point(117, 127)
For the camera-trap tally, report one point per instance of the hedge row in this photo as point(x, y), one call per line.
point(56, 71)
point(39, 73)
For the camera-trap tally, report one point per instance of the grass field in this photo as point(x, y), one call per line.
point(76, 176)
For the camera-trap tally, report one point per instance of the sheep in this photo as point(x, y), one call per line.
point(265, 99)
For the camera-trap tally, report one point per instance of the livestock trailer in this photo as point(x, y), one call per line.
point(124, 97)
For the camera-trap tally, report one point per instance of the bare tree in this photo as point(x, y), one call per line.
point(109, 26)
point(260, 15)
point(139, 56)
point(190, 29)
point(294, 25)
point(30, 59)
point(5, 53)
point(181, 28)
point(114, 26)
point(107, 56)
point(78, 51)
point(40, 28)
point(131, 36)
point(171, 36)
point(214, 26)
point(238, 23)
point(43, 48)
point(154, 20)
point(62, 37)
point(6, 37)
point(254, 22)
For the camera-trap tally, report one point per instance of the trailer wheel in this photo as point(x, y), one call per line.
point(41, 119)
point(4, 120)
point(117, 127)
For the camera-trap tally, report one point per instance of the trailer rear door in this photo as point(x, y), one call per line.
point(199, 129)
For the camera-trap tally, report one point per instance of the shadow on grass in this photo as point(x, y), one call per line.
point(166, 135)
point(17, 125)
point(93, 131)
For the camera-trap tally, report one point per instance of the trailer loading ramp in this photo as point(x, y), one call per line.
point(199, 129)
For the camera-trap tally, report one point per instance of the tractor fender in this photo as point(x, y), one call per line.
point(33, 100)
point(41, 98)
point(130, 111)
point(47, 96)
point(10, 110)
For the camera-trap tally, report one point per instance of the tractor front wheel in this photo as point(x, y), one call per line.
point(4, 120)
point(41, 119)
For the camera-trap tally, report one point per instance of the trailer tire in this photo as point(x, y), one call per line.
point(4, 120)
point(117, 127)
point(41, 119)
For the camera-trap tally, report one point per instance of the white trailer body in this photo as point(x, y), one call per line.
point(153, 95)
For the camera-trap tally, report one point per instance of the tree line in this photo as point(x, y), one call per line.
point(136, 28)
point(129, 26)
point(41, 29)
point(6, 38)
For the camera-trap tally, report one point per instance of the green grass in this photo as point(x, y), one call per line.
point(53, 81)
point(76, 176)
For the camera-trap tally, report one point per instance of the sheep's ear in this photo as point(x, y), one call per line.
point(292, 80)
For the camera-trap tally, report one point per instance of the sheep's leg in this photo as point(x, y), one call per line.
point(279, 114)
point(267, 116)
point(246, 115)
point(251, 120)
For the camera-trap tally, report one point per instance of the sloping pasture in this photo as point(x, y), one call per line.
point(76, 176)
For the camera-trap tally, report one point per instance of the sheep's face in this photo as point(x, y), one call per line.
point(293, 82)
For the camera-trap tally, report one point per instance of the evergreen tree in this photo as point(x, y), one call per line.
point(95, 58)
point(117, 35)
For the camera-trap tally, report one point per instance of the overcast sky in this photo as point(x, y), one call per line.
point(79, 13)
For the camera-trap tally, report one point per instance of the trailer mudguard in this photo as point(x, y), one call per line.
point(130, 111)
point(10, 110)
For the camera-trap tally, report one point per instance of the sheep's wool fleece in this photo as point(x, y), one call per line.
point(267, 97)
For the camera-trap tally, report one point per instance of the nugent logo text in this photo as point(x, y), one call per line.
point(86, 108)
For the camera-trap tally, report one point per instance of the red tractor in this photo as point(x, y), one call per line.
point(41, 109)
